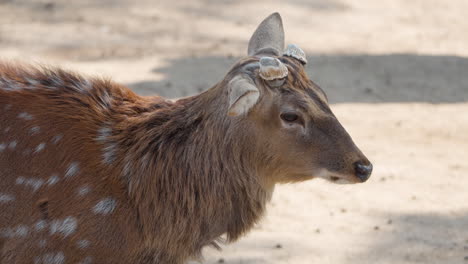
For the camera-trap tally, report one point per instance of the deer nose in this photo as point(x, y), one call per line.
point(362, 170)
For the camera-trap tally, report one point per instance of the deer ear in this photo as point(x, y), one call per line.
point(243, 95)
point(268, 39)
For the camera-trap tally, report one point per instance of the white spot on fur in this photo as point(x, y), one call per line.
point(57, 138)
point(19, 231)
point(4, 198)
point(42, 243)
point(109, 150)
point(109, 153)
point(9, 85)
point(105, 100)
point(83, 190)
point(40, 147)
point(65, 227)
point(20, 180)
point(83, 85)
point(87, 260)
point(25, 116)
point(35, 130)
point(82, 244)
point(32, 81)
point(126, 169)
point(57, 81)
point(105, 206)
point(72, 169)
point(2, 147)
point(103, 133)
point(12, 144)
point(27, 151)
point(50, 258)
point(40, 225)
point(35, 183)
point(53, 179)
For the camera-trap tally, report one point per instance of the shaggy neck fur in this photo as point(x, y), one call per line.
point(195, 176)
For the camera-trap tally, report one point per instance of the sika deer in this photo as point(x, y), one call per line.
point(92, 173)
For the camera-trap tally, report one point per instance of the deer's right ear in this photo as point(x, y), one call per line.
point(243, 95)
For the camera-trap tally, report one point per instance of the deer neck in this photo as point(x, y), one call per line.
point(193, 172)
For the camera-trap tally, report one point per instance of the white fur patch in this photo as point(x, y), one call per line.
point(82, 191)
point(103, 134)
point(32, 81)
point(19, 231)
point(20, 180)
point(2, 147)
point(42, 243)
point(57, 138)
point(34, 183)
point(110, 149)
point(4, 198)
point(86, 260)
point(40, 225)
point(34, 130)
point(72, 170)
point(105, 206)
point(109, 153)
point(12, 145)
point(40, 147)
point(82, 244)
point(25, 116)
point(65, 227)
point(50, 258)
point(53, 179)
point(9, 85)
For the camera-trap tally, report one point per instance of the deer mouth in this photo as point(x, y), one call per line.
point(337, 178)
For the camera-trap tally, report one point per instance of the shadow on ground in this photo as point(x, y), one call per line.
point(345, 78)
point(419, 238)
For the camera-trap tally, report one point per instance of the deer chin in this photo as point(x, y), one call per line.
point(336, 178)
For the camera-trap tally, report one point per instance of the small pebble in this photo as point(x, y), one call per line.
point(343, 210)
point(221, 260)
point(376, 227)
point(466, 258)
point(389, 221)
point(317, 230)
point(279, 246)
point(368, 90)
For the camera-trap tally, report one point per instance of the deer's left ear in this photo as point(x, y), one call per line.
point(268, 39)
point(243, 95)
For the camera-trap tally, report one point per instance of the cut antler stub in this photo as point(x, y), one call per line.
point(272, 68)
point(295, 52)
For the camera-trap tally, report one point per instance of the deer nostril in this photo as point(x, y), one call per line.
point(363, 171)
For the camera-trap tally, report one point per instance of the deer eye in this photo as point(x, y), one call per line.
point(289, 117)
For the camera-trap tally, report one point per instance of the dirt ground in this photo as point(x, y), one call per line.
point(396, 72)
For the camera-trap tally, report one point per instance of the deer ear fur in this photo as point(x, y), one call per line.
point(243, 95)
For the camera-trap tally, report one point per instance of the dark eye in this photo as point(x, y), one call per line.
point(289, 117)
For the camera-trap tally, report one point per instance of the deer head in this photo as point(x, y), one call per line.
point(297, 135)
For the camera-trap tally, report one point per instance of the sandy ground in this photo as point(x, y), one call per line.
point(396, 72)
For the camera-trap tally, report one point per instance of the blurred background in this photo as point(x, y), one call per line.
point(395, 71)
